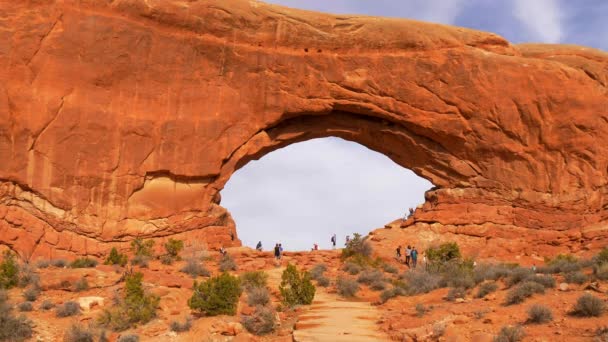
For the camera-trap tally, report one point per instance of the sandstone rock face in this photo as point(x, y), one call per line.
point(126, 118)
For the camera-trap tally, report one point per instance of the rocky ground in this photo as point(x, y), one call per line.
point(332, 316)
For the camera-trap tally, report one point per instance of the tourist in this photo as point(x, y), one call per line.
point(258, 247)
point(231, 236)
point(223, 250)
point(408, 253)
point(315, 247)
point(280, 251)
point(414, 255)
point(411, 212)
point(399, 253)
point(333, 241)
point(347, 240)
point(277, 252)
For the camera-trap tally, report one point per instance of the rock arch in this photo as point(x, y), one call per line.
point(125, 119)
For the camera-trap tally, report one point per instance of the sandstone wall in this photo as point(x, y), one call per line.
point(126, 118)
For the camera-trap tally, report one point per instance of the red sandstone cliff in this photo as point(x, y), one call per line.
point(125, 118)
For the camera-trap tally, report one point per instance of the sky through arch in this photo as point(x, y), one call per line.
point(301, 194)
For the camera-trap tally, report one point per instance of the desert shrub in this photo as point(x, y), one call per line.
point(195, 268)
point(81, 284)
point(456, 274)
point(438, 329)
point(79, 333)
point(323, 281)
point(181, 327)
point(227, 263)
point(539, 314)
point(261, 322)
point(296, 287)
point(9, 271)
point(602, 256)
point(317, 271)
point(347, 287)
point(546, 281)
point(421, 310)
point(443, 253)
point(420, 281)
point(28, 276)
point(47, 305)
point(141, 261)
point(174, 247)
point(142, 248)
point(12, 328)
point(522, 291)
point(116, 258)
point(351, 268)
point(491, 272)
point(575, 277)
point(519, 275)
point(378, 285)
point(166, 260)
point(136, 306)
point(601, 334)
point(485, 289)
point(43, 263)
point(388, 268)
point(510, 334)
point(254, 279)
point(600, 271)
point(391, 293)
point(31, 293)
point(216, 296)
point(369, 276)
point(455, 293)
point(59, 263)
point(357, 246)
point(258, 296)
point(588, 305)
point(561, 264)
point(25, 307)
point(128, 338)
point(83, 263)
point(69, 308)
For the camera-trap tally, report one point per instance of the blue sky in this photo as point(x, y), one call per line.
point(305, 192)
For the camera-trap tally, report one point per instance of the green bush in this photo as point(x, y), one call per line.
point(369, 276)
point(174, 247)
point(258, 296)
point(588, 305)
point(83, 263)
point(254, 279)
point(600, 271)
point(136, 306)
point(539, 314)
point(216, 296)
point(602, 256)
point(181, 327)
point(9, 271)
point(546, 281)
point(227, 263)
point(142, 248)
point(141, 261)
point(347, 287)
point(456, 273)
point(296, 287)
point(486, 288)
point(491, 272)
point(522, 291)
point(358, 245)
point(28, 276)
point(261, 322)
point(116, 258)
point(575, 277)
point(519, 275)
point(12, 328)
point(391, 293)
point(420, 281)
point(59, 263)
point(563, 263)
point(443, 253)
point(195, 268)
point(68, 309)
point(510, 334)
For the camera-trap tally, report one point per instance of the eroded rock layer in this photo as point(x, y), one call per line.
point(125, 118)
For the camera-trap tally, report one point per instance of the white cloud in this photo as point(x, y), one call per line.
point(542, 18)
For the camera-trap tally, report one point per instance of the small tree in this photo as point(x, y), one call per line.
point(174, 247)
point(216, 296)
point(296, 287)
point(116, 258)
point(9, 271)
point(444, 253)
point(142, 248)
point(358, 245)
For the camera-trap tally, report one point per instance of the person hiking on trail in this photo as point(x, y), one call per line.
point(315, 247)
point(399, 253)
point(347, 240)
point(408, 254)
point(411, 212)
point(277, 251)
point(280, 251)
point(414, 257)
point(333, 241)
point(258, 247)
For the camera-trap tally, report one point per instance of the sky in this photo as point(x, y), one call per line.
point(303, 193)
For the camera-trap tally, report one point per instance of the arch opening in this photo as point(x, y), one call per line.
point(303, 193)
